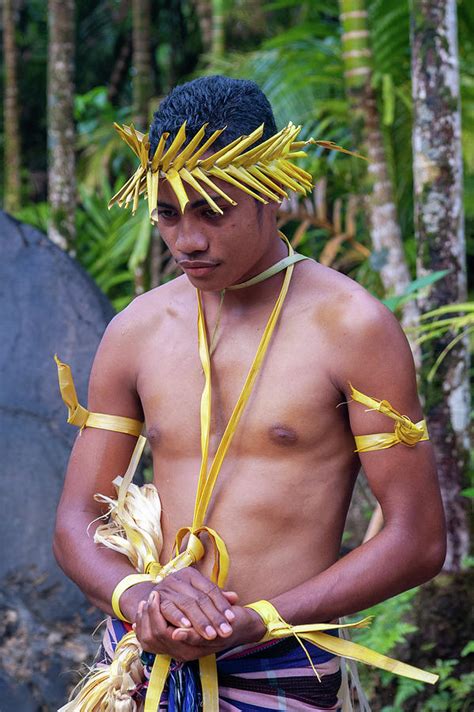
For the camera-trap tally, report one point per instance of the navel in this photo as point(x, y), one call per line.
point(283, 435)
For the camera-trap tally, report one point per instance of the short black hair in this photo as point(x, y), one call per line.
point(238, 104)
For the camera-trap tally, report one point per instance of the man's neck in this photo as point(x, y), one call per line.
point(260, 293)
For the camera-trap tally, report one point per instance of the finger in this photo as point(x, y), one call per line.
point(138, 616)
point(233, 598)
point(180, 634)
point(188, 636)
point(142, 627)
point(159, 626)
point(217, 618)
point(214, 604)
point(174, 615)
point(188, 609)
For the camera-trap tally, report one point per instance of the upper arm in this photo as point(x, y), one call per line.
point(98, 456)
point(378, 362)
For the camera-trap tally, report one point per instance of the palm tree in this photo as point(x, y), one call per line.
point(61, 133)
point(205, 17)
point(142, 69)
point(10, 112)
point(439, 225)
point(385, 229)
point(142, 92)
point(218, 37)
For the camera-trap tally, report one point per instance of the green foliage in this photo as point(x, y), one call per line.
point(103, 156)
point(387, 634)
point(110, 244)
point(36, 214)
point(413, 290)
point(453, 692)
point(432, 327)
point(388, 627)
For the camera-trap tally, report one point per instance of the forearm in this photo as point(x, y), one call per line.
point(95, 569)
point(382, 567)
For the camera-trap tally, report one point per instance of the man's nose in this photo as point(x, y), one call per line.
point(190, 239)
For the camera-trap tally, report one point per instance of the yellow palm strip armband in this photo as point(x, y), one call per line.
point(314, 633)
point(83, 418)
point(406, 431)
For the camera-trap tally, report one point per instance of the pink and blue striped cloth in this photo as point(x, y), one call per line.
point(252, 678)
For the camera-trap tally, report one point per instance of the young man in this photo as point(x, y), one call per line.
point(282, 492)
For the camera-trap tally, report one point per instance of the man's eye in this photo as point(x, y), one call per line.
point(167, 214)
point(212, 214)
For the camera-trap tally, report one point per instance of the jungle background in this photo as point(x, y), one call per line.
point(392, 79)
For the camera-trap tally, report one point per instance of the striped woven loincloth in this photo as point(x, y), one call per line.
point(252, 678)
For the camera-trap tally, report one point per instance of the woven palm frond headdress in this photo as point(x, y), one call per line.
point(263, 172)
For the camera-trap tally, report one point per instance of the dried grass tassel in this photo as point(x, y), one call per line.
point(135, 511)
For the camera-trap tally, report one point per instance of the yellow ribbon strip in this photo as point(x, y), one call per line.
point(406, 432)
point(313, 633)
point(80, 416)
point(206, 483)
point(121, 587)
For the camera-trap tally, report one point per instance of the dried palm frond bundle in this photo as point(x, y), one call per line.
point(132, 528)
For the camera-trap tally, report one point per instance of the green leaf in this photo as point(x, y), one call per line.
point(388, 96)
point(411, 290)
point(142, 240)
point(468, 649)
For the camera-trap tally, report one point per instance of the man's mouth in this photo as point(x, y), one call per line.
point(198, 267)
point(196, 263)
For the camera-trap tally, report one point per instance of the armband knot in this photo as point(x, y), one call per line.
point(407, 432)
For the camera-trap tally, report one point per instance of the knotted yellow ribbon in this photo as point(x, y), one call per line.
point(406, 432)
point(314, 633)
point(80, 416)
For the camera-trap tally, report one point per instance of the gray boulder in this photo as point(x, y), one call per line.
point(48, 304)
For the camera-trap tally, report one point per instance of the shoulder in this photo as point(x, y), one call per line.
point(344, 306)
point(145, 311)
point(364, 340)
point(125, 338)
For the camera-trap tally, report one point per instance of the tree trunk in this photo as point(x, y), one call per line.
point(119, 70)
point(204, 15)
point(385, 230)
point(142, 90)
point(142, 71)
point(11, 116)
point(218, 37)
point(61, 134)
point(440, 245)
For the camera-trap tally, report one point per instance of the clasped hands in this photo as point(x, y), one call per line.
point(187, 616)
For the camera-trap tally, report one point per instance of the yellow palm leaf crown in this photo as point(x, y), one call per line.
point(264, 172)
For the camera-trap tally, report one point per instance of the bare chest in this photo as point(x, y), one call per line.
point(292, 407)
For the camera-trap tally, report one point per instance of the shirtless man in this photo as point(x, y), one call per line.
point(283, 492)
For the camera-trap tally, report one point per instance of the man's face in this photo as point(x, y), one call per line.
point(215, 251)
